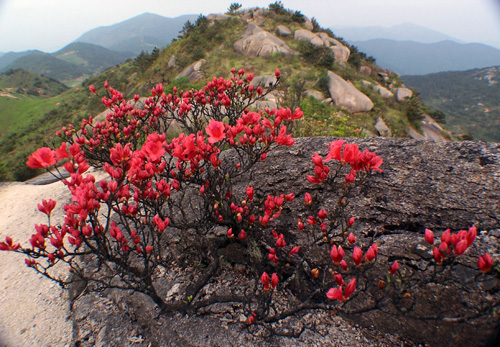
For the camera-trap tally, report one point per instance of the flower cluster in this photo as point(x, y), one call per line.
point(345, 154)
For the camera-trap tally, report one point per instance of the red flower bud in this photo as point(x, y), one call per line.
point(264, 279)
point(339, 279)
point(429, 236)
point(357, 255)
point(308, 199)
point(293, 251)
point(274, 280)
point(350, 222)
point(461, 247)
point(343, 265)
point(471, 235)
point(322, 214)
point(349, 289)
point(351, 238)
point(394, 268)
point(485, 263)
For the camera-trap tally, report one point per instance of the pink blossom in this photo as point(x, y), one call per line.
point(216, 131)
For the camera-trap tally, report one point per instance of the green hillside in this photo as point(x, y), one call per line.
point(8, 58)
point(213, 40)
point(470, 99)
point(47, 65)
point(28, 83)
point(91, 58)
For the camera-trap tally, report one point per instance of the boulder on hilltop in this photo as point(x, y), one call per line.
point(345, 94)
point(257, 42)
point(340, 51)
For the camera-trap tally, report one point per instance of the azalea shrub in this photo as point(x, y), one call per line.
point(173, 205)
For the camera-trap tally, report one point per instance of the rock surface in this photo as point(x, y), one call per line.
point(382, 128)
point(402, 94)
point(315, 94)
point(365, 70)
point(435, 185)
point(283, 30)
point(193, 72)
point(340, 51)
point(34, 311)
point(260, 43)
point(346, 95)
point(171, 62)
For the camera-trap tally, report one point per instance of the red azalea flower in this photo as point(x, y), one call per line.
point(43, 157)
point(216, 131)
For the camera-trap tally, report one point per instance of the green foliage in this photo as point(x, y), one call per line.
point(316, 26)
point(438, 116)
point(278, 8)
point(234, 8)
point(144, 60)
point(294, 89)
point(469, 100)
point(298, 17)
point(358, 58)
point(323, 120)
point(414, 111)
point(319, 56)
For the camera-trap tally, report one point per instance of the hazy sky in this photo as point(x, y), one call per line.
point(49, 25)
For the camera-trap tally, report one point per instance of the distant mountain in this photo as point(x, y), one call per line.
point(10, 57)
point(401, 32)
point(90, 57)
point(470, 99)
point(140, 33)
point(413, 58)
point(29, 83)
point(74, 62)
point(48, 65)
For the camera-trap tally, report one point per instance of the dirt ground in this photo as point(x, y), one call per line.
point(34, 311)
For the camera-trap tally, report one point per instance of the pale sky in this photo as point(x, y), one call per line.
point(49, 25)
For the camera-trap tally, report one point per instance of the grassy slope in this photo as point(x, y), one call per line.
point(29, 83)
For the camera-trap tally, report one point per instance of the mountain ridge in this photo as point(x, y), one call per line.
point(399, 32)
point(414, 58)
point(136, 34)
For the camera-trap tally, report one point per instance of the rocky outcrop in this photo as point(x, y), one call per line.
point(193, 72)
point(382, 128)
point(217, 16)
point(365, 70)
point(283, 31)
point(340, 51)
point(263, 80)
point(315, 94)
point(431, 129)
point(383, 92)
point(260, 43)
point(425, 184)
point(308, 24)
point(403, 94)
point(171, 62)
point(346, 95)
